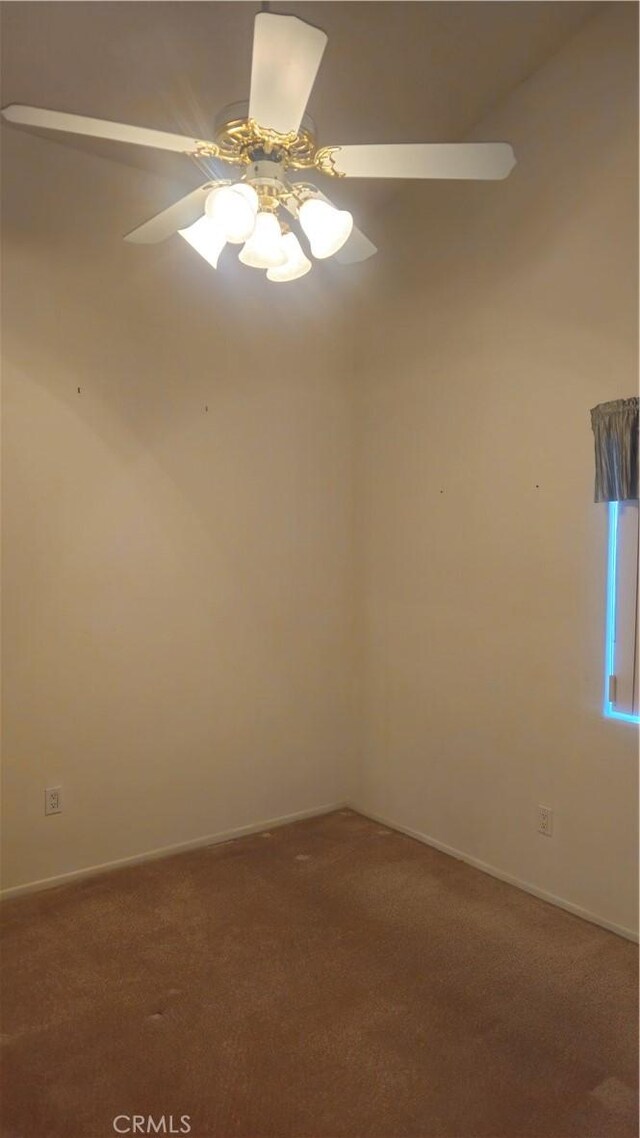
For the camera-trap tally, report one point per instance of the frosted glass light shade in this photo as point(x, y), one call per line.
point(234, 209)
point(264, 249)
point(326, 227)
point(207, 238)
point(296, 264)
point(249, 193)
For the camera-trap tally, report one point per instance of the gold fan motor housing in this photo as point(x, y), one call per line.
point(241, 142)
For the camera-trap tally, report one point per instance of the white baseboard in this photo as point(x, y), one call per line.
point(283, 820)
point(551, 898)
point(166, 851)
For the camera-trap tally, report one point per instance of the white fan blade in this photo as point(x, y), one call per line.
point(178, 216)
point(482, 160)
point(286, 58)
point(100, 128)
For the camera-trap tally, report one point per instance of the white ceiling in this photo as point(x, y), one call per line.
point(392, 72)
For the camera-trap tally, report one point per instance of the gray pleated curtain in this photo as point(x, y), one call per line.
point(615, 429)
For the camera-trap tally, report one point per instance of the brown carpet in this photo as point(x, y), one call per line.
point(330, 979)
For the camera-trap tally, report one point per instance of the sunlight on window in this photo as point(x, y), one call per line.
point(621, 641)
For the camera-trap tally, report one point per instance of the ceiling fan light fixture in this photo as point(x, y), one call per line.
point(206, 237)
point(326, 227)
point(263, 140)
point(233, 209)
point(296, 264)
point(264, 249)
point(247, 191)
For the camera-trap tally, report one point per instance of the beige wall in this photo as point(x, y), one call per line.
point(209, 622)
point(511, 311)
point(177, 582)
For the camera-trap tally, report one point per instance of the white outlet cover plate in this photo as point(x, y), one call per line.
point(545, 821)
point(53, 800)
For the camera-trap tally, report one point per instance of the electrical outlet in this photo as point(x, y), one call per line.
point(53, 800)
point(545, 821)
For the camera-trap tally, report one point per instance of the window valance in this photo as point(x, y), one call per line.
point(615, 429)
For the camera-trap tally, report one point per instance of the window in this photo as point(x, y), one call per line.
point(621, 696)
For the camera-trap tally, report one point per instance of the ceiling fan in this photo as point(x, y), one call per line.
point(269, 139)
